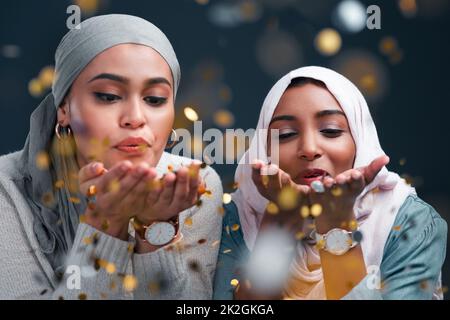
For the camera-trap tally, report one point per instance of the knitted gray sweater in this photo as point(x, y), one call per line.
point(184, 272)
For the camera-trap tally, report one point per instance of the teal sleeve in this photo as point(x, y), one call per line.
point(231, 254)
point(413, 256)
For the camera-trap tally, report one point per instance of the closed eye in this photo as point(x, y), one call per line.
point(155, 101)
point(332, 133)
point(287, 135)
point(106, 97)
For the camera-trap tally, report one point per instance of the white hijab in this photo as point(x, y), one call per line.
point(375, 211)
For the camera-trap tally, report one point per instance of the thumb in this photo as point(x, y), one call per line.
point(371, 171)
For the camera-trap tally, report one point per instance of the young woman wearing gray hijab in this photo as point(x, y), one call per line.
point(93, 207)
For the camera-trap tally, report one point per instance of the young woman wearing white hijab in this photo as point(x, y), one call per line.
point(352, 216)
point(93, 193)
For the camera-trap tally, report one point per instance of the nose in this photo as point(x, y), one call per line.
point(133, 116)
point(308, 148)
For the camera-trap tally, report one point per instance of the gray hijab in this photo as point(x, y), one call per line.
point(57, 206)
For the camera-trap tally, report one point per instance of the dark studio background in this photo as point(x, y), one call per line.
point(234, 62)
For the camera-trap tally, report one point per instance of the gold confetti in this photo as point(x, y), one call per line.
point(221, 210)
point(265, 180)
point(87, 240)
point(424, 285)
point(388, 45)
point(375, 190)
point(202, 2)
point(353, 225)
point(272, 208)
point(320, 244)
point(226, 198)
point(227, 251)
point(170, 168)
point(227, 229)
point(42, 160)
point(188, 222)
point(154, 184)
point(299, 235)
point(316, 210)
point(402, 161)
point(82, 218)
point(397, 228)
point(154, 287)
point(215, 243)
point(235, 227)
point(48, 199)
point(304, 211)
point(129, 283)
point(130, 247)
point(59, 184)
point(110, 268)
point(74, 200)
point(82, 296)
point(114, 186)
point(88, 6)
point(234, 282)
point(190, 114)
point(287, 198)
point(337, 191)
point(92, 191)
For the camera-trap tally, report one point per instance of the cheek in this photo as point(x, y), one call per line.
point(341, 153)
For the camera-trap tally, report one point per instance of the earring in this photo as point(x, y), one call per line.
point(60, 131)
point(174, 141)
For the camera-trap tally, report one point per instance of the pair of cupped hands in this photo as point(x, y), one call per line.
point(128, 190)
point(335, 198)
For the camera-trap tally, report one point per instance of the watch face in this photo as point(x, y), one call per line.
point(338, 242)
point(160, 233)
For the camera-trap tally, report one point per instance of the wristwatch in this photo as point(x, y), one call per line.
point(336, 241)
point(157, 233)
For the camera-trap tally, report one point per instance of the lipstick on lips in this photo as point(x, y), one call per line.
point(133, 145)
point(315, 174)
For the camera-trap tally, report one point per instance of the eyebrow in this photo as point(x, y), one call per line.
point(319, 114)
point(115, 77)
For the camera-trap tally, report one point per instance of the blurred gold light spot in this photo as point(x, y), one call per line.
point(87, 240)
point(299, 235)
point(368, 83)
point(320, 244)
point(408, 7)
point(129, 282)
point(353, 225)
point(388, 45)
point(35, 87)
point(110, 268)
point(188, 221)
point(235, 227)
point(74, 200)
point(114, 186)
point(226, 198)
point(223, 118)
point(42, 160)
point(272, 208)
point(336, 191)
point(88, 6)
point(46, 76)
point(59, 184)
point(202, 2)
point(234, 282)
point(328, 42)
point(402, 161)
point(397, 228)
point(287, 198)
point(191, 114)
point(316, 210)
point(304, 211)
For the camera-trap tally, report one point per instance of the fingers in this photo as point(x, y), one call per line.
point(168, 182)
point(181, 189)
point(88, 172)
point(257, 177)
point(371, 171)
